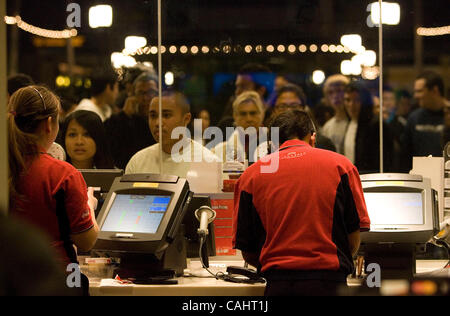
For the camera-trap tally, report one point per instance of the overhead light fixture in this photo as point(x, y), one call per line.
point(100, 16)
point(390, 13)
point(133, 43)
point(352, 41)
point(169, 78)
point(120, 60)
point(349, 67)
point(318, 77)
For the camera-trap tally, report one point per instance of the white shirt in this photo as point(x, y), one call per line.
point(88, 105)
point(234, 150)
point(147, 160)
point(335, 129)
point(349, 142)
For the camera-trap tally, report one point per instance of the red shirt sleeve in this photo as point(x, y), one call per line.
point(76, 200)
point(358, 196)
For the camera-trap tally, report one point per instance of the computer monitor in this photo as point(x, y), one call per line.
point(191, 224)
point(140, 219)
point(401, 207)
point(403, 212)
point(101, 180)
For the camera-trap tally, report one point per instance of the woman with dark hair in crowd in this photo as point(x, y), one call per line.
point(46, 192)
point(83, 137)
point(362, 137)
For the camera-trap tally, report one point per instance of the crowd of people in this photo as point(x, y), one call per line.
point(128, 128)
point(346, 119)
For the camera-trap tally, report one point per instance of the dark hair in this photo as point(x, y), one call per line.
point(15, 82)
point(293, 123)
point(260, 74)
point(92, 123)
point(181, 100)
point(297, 90)
point(432, 79)
point(366, 99)
point(100, 80)
point(27, 108)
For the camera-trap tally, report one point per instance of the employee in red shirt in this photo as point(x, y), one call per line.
point(48, 193)
point(300, 223)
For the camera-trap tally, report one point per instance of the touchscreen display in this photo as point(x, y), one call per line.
point(394, 208)
point(136, 213)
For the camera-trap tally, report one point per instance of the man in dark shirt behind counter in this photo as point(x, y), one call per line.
point(128, 130)
point(425, 126)
point(300, 223)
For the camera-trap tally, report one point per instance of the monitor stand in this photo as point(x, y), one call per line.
point(396, 261)
point(153, 268)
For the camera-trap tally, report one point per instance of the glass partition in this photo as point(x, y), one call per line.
point(206, 46)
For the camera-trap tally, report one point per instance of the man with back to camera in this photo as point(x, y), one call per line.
point(128, 130)
point(306, 246)
point(425, 126)
point(104, 91)
point(335, 127)
point(175, 113)
point(291, 96)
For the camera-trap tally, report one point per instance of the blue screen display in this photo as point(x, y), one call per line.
point(136, 213)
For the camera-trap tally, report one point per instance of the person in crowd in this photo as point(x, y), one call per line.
point(252, 77)
point(84, 140)
point(126, 86)
point(291, 96)
point(68, 105)
point(362, 136)
point(398, 124)
point(104, 91)
point(47, 193)
point(128, 130)
point(323, 113)
point(248, 114)
point(425, 126)
point(321, 193)
point(389, 105)
point(17, 81)
point(205, 119)
point(334, 128)
point(177, 149)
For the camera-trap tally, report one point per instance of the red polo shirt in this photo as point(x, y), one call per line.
point(299, 217)
point(39, 185)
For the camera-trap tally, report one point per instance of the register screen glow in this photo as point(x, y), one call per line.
point(136, 213)
point(394, 208)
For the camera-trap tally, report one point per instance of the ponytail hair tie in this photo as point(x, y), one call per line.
point(13, 113)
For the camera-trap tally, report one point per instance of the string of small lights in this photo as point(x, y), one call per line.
point(39, 31)
point(248, 49)
point(433, 31)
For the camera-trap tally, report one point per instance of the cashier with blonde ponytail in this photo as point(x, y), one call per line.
point(46, 192)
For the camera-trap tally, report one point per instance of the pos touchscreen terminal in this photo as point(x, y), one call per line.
point(139, 223)
point(403, 213)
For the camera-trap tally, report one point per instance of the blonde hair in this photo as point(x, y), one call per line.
point(335, 79)
point(249, 96)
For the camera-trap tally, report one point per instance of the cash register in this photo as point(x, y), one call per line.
point(404, 214)
point(140, 225)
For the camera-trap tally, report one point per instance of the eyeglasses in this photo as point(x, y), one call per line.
point(289, 105)
point(150, 93)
